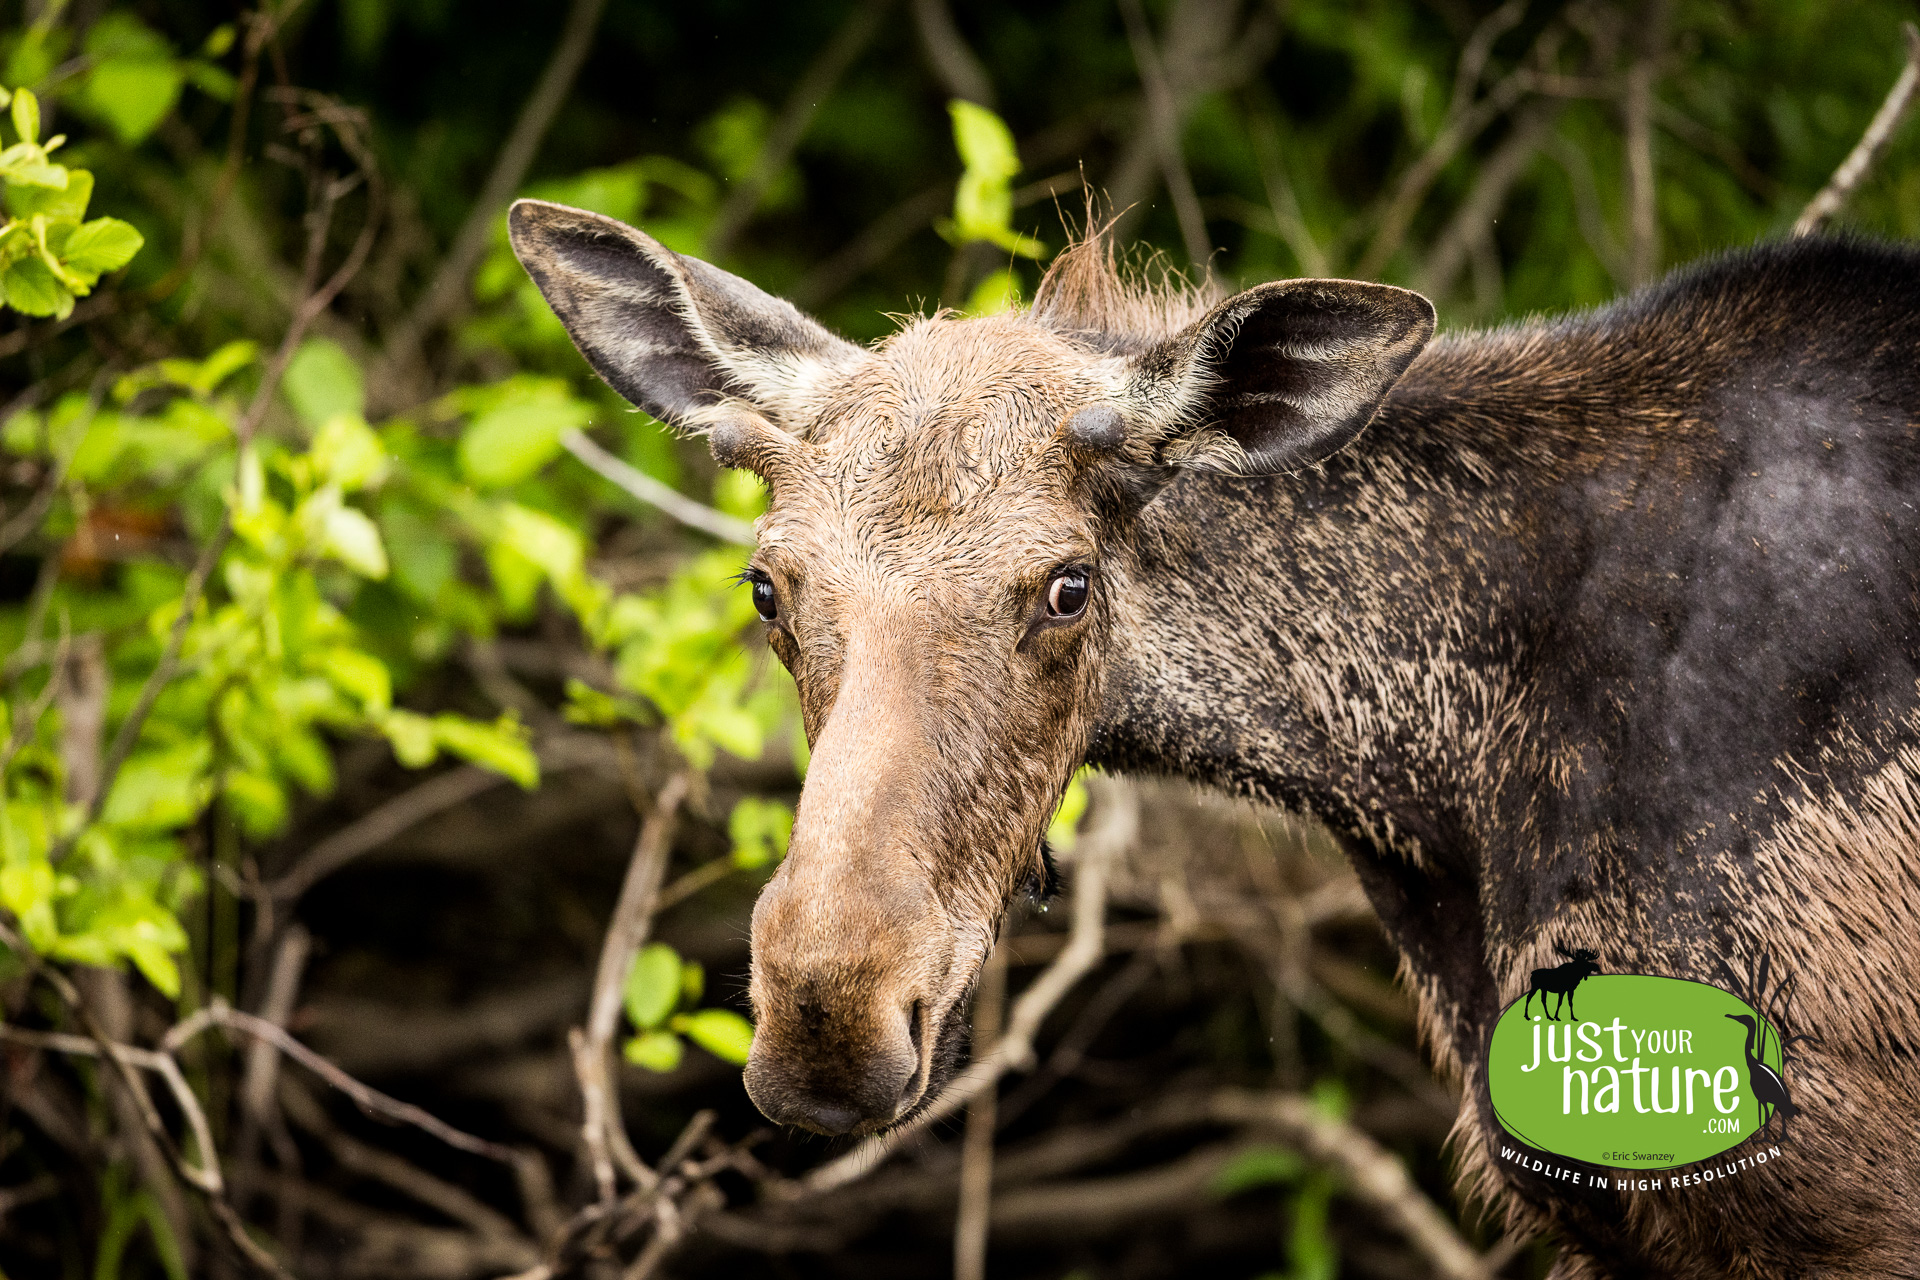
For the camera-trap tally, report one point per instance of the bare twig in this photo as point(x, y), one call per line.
point(656, 494)
point(1372, 1173)
point(445, 292)
point(1643, 224)
point(1282, 203)
point(1472, 223)
point(1880, 130)
point(369, 1099)
point(601, 1129)
point(791, 124)
point(399, 1174)
point(369, 831)
point(1587, 209)
point(28, 518)
point(283, 988)
point(976, 1157)
point(1163, 118)
point(1465, 120)
point(960, 72)
point(1118, 828)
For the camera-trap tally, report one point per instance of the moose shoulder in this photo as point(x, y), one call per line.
point(1605, 634)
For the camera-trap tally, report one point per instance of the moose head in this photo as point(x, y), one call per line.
point(946, 566)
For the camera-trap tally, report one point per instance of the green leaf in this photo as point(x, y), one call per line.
point(32, 290)
point(27, 891)
point(586, 705)
point(741, 494)
point(653, 985)
point(997, 292)
point(1330, 1095)
point(134, 92)
point(721, 1032)
point(693, 982)
point(500, 746)
point(515, 577)
point(759, 830)
point(1258, 1167)
point(159, 790)
point(412, 736)
point(1064, 831)
point(227, 360)
point(100, 246)
point(985, 143)
point(256, 801)
point(322, 382)
point(654, 1050)
point(68, 201)
point(26, 115)
point(556, 549)
point(517, 437)
point(354, 541)
point(348, 453)
point(983, 197)
point(359, 675)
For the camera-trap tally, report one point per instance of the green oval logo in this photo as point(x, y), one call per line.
point(1650, 1074)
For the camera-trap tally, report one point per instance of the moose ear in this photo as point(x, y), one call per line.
point(673, 334)
point(1279, 377)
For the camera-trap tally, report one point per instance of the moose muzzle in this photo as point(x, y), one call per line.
point(854, 955)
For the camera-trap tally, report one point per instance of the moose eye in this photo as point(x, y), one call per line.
point(1067, 593)
point(763, 600)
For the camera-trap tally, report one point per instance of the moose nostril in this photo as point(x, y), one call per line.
point(915, 1024)
point(831, 1120)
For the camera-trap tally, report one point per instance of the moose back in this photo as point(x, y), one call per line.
point(1607, 631)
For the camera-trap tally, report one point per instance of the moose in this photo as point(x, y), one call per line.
point(1607, 626)
point(1561, 979)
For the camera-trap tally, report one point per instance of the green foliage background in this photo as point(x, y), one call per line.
point(245, 551)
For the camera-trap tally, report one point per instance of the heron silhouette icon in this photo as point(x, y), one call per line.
point(1769, 1090)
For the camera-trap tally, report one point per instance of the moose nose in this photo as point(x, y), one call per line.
point(832, 1075)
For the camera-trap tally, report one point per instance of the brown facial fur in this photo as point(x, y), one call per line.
point(909, 558)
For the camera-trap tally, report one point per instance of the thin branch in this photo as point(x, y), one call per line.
point(958, 69)
point(1879, 132)
point(447, 290)
point(655, 494)
point(1643, 224)
point(1465, 121)
point(975, 1201)
point(813, 88)
point(601, 1130)
point(402, 1176)
point(367, 1098)
point(371, 830)
point(1373, 1173)
point(29, 516)
point(1094, 856)
point(204, 1178)
point(1163, 118)
point(1282, 203)
point(1472, 223)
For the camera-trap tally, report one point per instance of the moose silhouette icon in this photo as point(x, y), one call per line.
point(1561, 980)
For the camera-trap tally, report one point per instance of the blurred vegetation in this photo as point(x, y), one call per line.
point(307, 543)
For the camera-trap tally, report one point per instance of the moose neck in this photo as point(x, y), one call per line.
point(1340, 640)
point(1363, 640)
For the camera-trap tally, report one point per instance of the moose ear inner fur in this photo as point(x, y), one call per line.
point(672, 334)
point(1281, 376)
